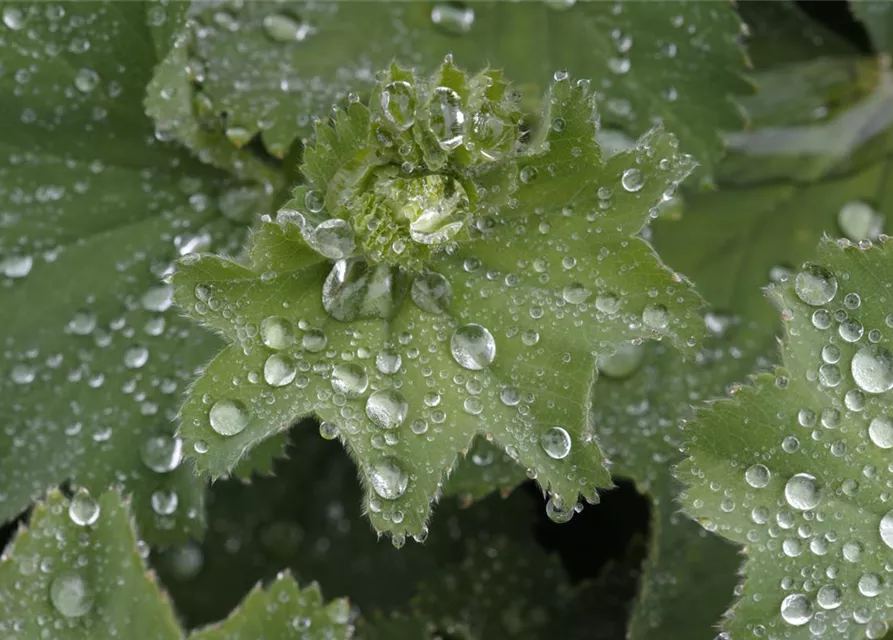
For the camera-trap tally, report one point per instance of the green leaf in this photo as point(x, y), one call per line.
point(792, 465)
point(878, 19)
point(283, 610)
point(80, 580)
point(77, 569)
point(95, 357)
point(270, 68)
point(506, 351)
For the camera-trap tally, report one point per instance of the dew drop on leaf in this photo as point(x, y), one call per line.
point(161, 453)
point(632, 180)
point(623, 362)
point(387, 408)
point(279, 371)
point(796, 609)
point(86, 80)
point(828, 597)
point(558, 512)
point(83, 509)
point(277, 333)
point(388, 478)
point(158, 298)
point(228, 417)
point(282, 27)
point(446, 118)
point(135, 357)
point(859, 221)
point(872, 369)
point(556, 443)
point(757, 476)
point(655, 316)
point(815, 285)
point(333, 238)
point(164, 503)
point(870, 585)
point(886, 529)
point(398, 103)
point(432, 292)
point(388, 362)
point(314, 340)
point(880, 431)
point(608, 303)
point(575, 293)
point(802, 492)
point(350, 379)
point(473, 347)
point(82, 323)
point(13, 18)
point(70, 595)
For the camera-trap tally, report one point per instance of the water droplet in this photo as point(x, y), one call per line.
point(277, 333)
point(83, 510)
point(453, 18)
point(850, 330)
point(558, 512)
point(870, 585)
point(821, 319)
point(831, 353)
point(328, 430)
point(881, 432)
point(432, 293)
point(872, 369)
point(82, 323)
point(556, 443)
point(796, 609)
point(575, 293)
point(13, 18)
point(164, 503)
point(387, 408)
point(333, 238)
point(279, 371)
point(282, 27)
point(17, 266)
point(356, 289)
point(656, 316)
point(162, 453)
point(388, 478)
point(350, 379)
point(314, 340)
point(136, 356)
point(70, 595)
point(528, 174)
point(632, 180)
point(815, 285)
point(158, 298)
point(608, 303)
point(473, 347)
point(623, 362)
point(23, 373)
point(398, 102)
point(757, 476)
point(859, 221)
point(829, 597)
point(446, 118)
point(802, 492)
point(228, 417)
point(886, 529)
point(86, 80)
point(388, 362)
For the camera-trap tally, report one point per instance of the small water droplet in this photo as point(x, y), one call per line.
point(473, 347)
point(86, 80)
point(558, 512)
point(388, 479)
point(829, 597)
point(279, 370)
point(82, 323)
point(886, 529)
point(528, 174)
point(328, 430)
point(159, 298)
point(282, 27)
point(575, 293)
point(757, 476)
point(446, 118)
point(387, 408)
point(454, 18)
point(802, 492)
point(880, 430)
point(13, 18)
point(859, 221)
point(388, 362)
point(228, 417)
point(624, 362)
point(556, 442)
point(796, 609)
point(432, 292)
point(870, 585)
point(70, 595)
point(83, 509)
point(162, 453)
point(815, 285)
point(333, 238)
point(164, 503)
point(398, 102)
point(608, 303)
point(135, 357)
point(656, 316)
point(314, 340)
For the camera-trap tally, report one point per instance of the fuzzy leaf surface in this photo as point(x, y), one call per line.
point(794, 465)
point(293, 62)
point(404, 394)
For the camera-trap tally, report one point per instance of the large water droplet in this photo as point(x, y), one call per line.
point(432, 292)
point(387, 408)
point(575, 293)
point(162, 453)
point(796, 609)
point(453, 18)
point(333, 238)
point(82, 323)
point(314, 340)
point(802, 492)
point(872, 369)
point(277, 333)
point(282, 27)
point(355, 289)
point(136, 356)
point(86, 80)
point(881, 432)
point(556, 443)
point(164, 503)
point(398, 102)
point(632, 180)
point(388, 362)
point(279, 370)
point(350, 379)
point(473, 347)
point(623, 362)
point(757, 476)
point(886, 529)
point(83, 510)
point(829, 597)
point(70, 595)
point(446, 118)
point(859, 221)
point(13, 18)
point(228, 417)
point(388, 478)
point(815, 285)
point(656, 316)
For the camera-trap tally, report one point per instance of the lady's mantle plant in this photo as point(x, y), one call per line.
point(450, 269)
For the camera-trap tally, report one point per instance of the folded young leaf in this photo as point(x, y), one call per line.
point(77, 570)
point(437, 280)
point(793, 465)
